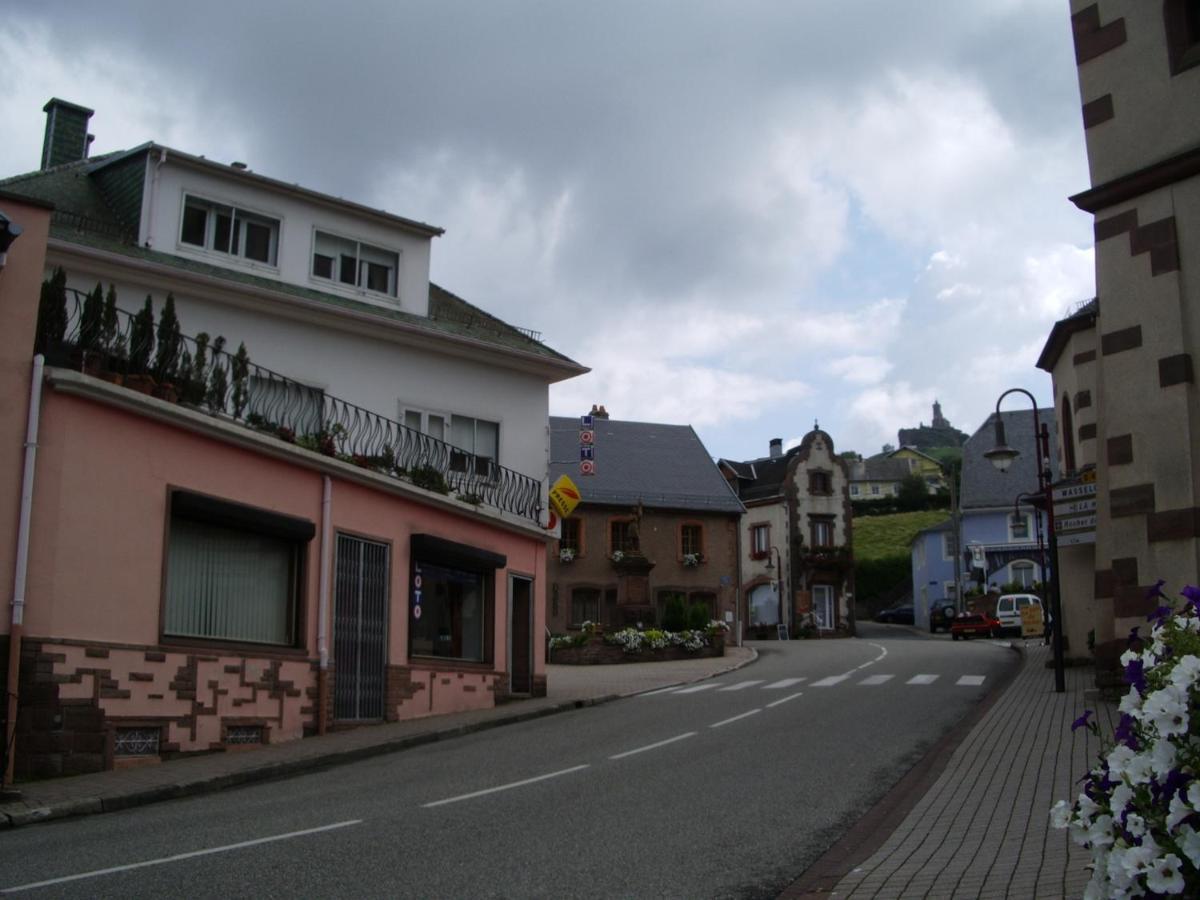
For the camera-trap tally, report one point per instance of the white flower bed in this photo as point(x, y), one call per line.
point(1140, 807)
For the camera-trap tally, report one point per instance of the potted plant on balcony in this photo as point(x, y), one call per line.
point(141, 345)
point(691, 560)
point(566, 554)
point(112, 341)
point(167, 356)
point(52, 319)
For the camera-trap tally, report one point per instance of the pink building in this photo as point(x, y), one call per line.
point(344, 525)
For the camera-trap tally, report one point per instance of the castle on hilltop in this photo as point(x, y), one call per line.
point(939, 433)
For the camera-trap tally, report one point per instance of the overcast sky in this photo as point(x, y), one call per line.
point(745, 216)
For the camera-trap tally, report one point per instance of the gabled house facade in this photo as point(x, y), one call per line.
point(797, 559)
point(345, 522)
point(999, 523)
point(1125, 366)
point(878, 477)
point(657, 523)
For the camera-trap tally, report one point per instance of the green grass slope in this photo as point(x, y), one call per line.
point(878, 537)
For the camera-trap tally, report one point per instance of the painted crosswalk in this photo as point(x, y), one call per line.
point(829, 681)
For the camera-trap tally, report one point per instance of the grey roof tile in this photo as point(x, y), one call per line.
point(983, 485)
point(663, 466)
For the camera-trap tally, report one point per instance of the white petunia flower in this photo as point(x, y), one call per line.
point(1177, 812)
point(1086, 807)
point(1060, 815)
point(1120, 798)
point(1162, 758)
point(1131, 704)
point(1186, 671)
point(1129, 656)
point(1166, 711)
point(1188, 840)
point(1135, 824)
point(1101, 832)
point(1118, 759)
point(1164, 877)
point(1140, 769)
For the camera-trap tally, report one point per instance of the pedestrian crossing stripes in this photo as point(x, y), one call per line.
point(922, 680)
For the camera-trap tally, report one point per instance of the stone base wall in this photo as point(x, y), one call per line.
point(596, 652)
point(415, 691)
point(75, 696)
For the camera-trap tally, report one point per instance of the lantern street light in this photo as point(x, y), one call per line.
point(1002, 456)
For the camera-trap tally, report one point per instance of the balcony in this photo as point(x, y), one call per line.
point(87, 332)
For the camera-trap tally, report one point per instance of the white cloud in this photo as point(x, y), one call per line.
point(859, 369)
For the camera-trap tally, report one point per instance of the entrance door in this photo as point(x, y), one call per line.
point(359, 628)
point(520, 631)
point(822, 595)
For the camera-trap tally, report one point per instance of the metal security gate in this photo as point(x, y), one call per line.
point(359, 628)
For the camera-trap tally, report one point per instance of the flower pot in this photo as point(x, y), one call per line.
point(143, 384)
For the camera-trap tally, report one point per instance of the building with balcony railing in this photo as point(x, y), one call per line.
point(282, 482)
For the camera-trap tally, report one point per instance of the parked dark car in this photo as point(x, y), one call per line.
point(970, 625)
point(941, 615)
point(900, 615)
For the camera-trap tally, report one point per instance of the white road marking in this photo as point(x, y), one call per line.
point(678, 737)
point(782, 683)
point(178, 857)
point(504, 787)
point(971, 680)
point(877, 679)
point(665, 690)
point(830, 681)
point(923, 679)
point(735, 718)
point(784, 700)
point(697, 688)
point(742, 685)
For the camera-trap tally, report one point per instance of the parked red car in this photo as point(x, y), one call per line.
point(970, 625)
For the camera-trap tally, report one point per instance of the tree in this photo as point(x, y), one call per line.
point(914, 493)
point(141, 338)
point(166, 359)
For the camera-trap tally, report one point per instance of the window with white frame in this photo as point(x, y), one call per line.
point(220, 228)
point(430, 423)
point(949, 545)
point(822, 601)
point(478, 438)
point(854, 490)
point(1019, 527)
point(822, 532)
point(874, 490)
point(760, 541)
point(1023, 573)
point(352, 263)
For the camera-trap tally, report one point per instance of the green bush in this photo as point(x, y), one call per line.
point(697, 616)
point(874, 578)
point(674, 614)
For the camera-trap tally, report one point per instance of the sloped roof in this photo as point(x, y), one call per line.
point(758, 479)
point(876, 469)
point(1080, 320)
point(663, 466)
point(84, 216)
point(983, 485)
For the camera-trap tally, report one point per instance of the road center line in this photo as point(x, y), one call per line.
point(503, 787)
point(784, 699)
point(178, 857)
point(678, 737)
point(735, 718)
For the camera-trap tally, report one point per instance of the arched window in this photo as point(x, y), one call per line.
point(1068, 435)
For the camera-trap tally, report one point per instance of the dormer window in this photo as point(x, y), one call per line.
point(355, 264)
point(228, 230)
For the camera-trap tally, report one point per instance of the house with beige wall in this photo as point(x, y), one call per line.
point(344, 523)
point(797, 550)
point(1126, 364)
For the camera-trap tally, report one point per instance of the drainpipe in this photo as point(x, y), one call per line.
point(162, 158)
point(323, 603)
point(22, 565)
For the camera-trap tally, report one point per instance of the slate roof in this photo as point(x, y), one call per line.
point(663, 466)
point(877, 469)
point(983, 485)
point(84, 216)
point(1081, 320)
point(759, 479)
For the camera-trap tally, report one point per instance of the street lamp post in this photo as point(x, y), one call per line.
point(1002, 456)
point(779, 582)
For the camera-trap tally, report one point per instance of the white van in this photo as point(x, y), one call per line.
point(1008, 610)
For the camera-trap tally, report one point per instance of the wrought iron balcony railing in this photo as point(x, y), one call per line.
point(87, 332)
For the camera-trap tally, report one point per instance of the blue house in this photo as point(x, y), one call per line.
point(999, 526)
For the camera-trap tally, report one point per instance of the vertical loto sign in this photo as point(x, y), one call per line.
point(587, 445)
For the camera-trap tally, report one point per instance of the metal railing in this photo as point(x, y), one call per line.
point(88, 333)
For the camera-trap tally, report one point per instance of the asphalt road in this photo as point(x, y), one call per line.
point(726, 788)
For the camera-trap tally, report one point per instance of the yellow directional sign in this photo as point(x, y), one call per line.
point(564, 496)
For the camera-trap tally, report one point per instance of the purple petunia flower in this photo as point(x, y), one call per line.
point(1124, 732)
point(1082, 721)
point(1193, 598)
point(1160, 615)
point(1156, 591)
point(1134, 637)
point(1135, 675)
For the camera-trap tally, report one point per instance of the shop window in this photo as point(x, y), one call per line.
point(228, 230)
point(708, 599)
point(585, 606)
point(233, 572)
point(354, 264)
point(453, 585)
point(760, 541)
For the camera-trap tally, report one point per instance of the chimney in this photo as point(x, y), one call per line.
point(599, 412)
point(776, 447)
point(67, 137)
